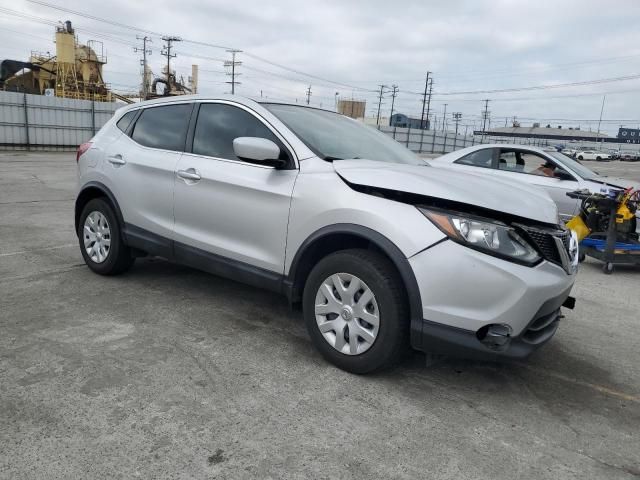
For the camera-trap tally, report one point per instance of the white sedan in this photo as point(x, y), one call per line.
point(548, 169)
point(592, 155)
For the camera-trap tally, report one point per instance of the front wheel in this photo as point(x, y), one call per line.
point(580, 157)
point(598, 159)
point(356, 312)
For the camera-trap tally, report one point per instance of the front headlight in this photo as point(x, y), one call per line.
point(488, 236)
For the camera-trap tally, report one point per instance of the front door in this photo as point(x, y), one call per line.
point(534, 169)
point(227, 209)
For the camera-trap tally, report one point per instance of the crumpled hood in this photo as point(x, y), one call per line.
point(492, 193)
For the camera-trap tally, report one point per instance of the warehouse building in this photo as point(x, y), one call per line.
point(549, 133)
point(403, 121)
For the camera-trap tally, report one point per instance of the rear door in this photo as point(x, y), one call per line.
point(141, 166)
point(228, 208)
point(535, 169)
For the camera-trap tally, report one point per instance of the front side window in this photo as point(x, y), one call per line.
point(480, 158)
point(219, 124)
point(163, 127)
point(526, 162)
point(575, 166)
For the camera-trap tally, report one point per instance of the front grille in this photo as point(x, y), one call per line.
point(543, 240)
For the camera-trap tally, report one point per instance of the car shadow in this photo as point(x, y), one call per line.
point(553, 375)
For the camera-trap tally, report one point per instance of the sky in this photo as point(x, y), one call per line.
point(351, 47)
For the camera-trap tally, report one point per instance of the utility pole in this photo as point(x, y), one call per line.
point(308, 94)
point(336, 102)
point(444, 118)
point(485, 115)
point(600, 120)
point(457, 116)
point(382, 87)
point(144, 91)
point(166, 51)
point(429, 101)
point(394, 94)
point(424, 100)
point(232, 64)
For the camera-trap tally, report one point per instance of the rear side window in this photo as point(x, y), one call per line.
point(163, 127)
point(479, 158)
point(126, 120)
point(219, 124)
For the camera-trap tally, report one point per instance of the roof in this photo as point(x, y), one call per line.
point(543, 131)
point(247, 101)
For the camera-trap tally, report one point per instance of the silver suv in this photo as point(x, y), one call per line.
point(382, 251)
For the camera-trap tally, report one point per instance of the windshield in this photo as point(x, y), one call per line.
point(335, 137)
point(574, 165)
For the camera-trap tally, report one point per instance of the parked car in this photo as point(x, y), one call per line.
point(381, 250)
point(630, 157)
point(592, 155)
point(552, 171)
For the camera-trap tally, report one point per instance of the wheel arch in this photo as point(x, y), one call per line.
point(338, 237)
point(93, 190)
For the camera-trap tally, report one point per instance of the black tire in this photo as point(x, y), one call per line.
point(582, 257)
point(580, 157)
point(119, 258)
point(382, 278)
point(598, 159)
point(607, 268)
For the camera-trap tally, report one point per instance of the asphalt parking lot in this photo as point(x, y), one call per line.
point(167, 372)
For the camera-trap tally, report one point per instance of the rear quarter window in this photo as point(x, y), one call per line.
point(480, 158)
point(126, 120)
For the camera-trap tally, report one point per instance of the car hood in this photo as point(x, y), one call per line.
point(616, 182)
point(499, 195)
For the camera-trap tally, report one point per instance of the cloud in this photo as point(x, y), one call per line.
point(467, 44)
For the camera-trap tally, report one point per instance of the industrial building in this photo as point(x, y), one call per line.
point(403, 121)
point(549, 133)
point(628, 135)
point(352, 108)
point(75, 71)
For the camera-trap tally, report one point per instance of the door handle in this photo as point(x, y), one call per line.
point(189, 174)
point(116, 159)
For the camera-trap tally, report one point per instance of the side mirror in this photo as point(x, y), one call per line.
point(256, 149)
point(563, 175)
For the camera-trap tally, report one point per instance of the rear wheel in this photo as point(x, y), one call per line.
point(100, 239)
point(355, 311)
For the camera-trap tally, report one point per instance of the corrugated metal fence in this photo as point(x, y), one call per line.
point(36, 122)
point(431, 141)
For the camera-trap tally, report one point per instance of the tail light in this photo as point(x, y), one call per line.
point(82, 149)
